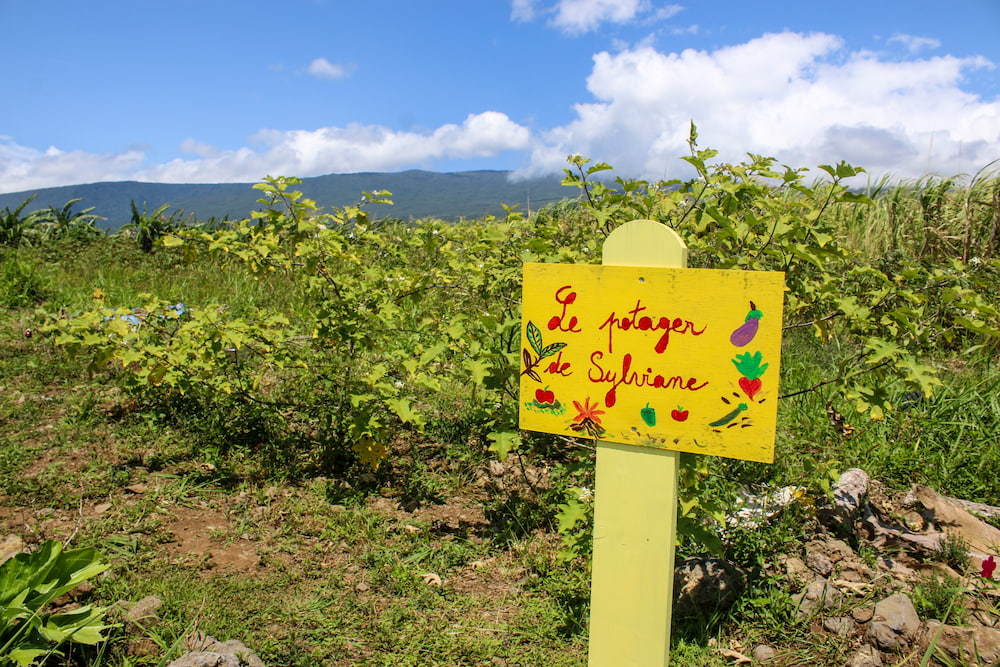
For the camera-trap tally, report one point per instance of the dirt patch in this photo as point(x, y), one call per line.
point(453, 515)
point(202, 537)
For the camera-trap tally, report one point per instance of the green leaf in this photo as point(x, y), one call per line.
point(402, 408)
point(479, 369)
point(504, 442)
point(570, 514)
point(882, 349)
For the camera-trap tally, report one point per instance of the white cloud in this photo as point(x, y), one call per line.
point(804, 99)
point(324, 69)
point(279, 152)
point(915, 44)
point(192, 147)
point(24, 168)
point(579, 16)
point(522, 10)
point(668, 12)
point(801, 98)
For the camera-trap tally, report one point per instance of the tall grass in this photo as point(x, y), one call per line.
point(933, 218)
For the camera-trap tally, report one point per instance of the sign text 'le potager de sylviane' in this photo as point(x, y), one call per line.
point(679, 359)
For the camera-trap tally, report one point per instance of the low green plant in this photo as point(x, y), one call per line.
point(29, 583)
point(574, 521)
point(953, 551)
point(150, 227)
point(16, 228)
point(65, 224)
point(20, 283)
point(941, 597)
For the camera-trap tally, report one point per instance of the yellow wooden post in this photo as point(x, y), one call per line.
point(635, 515)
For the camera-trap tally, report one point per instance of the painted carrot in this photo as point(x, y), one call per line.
point(731, 416)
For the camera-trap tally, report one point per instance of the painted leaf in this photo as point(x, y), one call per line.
point(749, 365)
point(549, 350)
point(534, 337)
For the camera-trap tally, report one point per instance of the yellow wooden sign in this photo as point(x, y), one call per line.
point(679, 359)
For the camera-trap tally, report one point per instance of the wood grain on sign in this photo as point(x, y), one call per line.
point(672, 358)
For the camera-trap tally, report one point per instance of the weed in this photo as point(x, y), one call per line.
point(941, 597)
point(953, 551)
point(20, 283)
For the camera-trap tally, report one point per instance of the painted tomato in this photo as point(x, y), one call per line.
point(545, 397)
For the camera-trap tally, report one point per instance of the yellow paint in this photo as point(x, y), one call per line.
point(635, 514)
point(649, 356)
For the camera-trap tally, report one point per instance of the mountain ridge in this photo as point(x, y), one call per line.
point(416, 194)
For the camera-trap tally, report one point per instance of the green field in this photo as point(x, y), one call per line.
point(318, 454)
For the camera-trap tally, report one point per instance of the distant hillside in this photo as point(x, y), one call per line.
point(415, 193)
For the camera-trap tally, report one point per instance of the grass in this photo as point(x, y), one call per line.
point(243, 536)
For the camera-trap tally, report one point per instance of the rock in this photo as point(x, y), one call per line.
point(866, 656)
point(205, 659)
point(895, 568)
point(894, 624)
point(979, 535)
point(237, 649)
point(143, 647)
point(83, 590)
point(819, 563)
point(968, 645)
point(142, 615)
point(838, 625)
point(856, 572)
point(897, 610)
point(704, 585)
point(762, 653)
point(10, 546)
point(881, 635)
point(823, 554)
point(848, 494)
point(882, 532)
point(204, 646)
point(816, 596)
point(796, 568)
point(863, 614)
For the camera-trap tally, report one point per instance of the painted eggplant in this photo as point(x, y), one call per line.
point(746, 331)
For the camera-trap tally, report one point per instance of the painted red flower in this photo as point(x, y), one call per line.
point(988, 566)
point(587, 411)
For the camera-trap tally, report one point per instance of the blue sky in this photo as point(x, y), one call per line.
point(214, 91)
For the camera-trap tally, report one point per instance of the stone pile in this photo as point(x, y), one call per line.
point(856, 577)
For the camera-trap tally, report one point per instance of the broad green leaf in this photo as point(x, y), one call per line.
point(478, 368)
point(504, 442)
point(882, 349)
point(402, 408)
point(569, 515)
